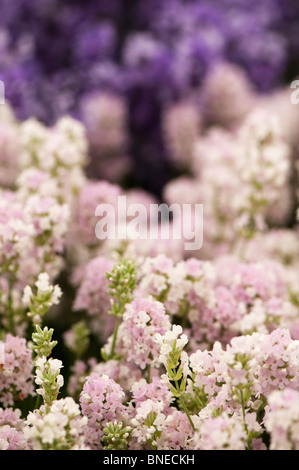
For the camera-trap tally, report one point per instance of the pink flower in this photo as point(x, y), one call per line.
point(142, 320)
point(16, 379)
point(91, 195)
point(101, 402)
point(92, 295)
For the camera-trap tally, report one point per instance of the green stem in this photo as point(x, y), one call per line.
point(38, 402)
point(114, 338)
point(183, 404)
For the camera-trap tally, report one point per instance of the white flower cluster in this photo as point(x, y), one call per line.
point(238, 176)
point(60, 151)
point(48, 377)
point(63, 144)
point(60, 427)
point(173, 337)
point(43, 286)
point(174, 359)
point(264, 165)
point(282, 419)
point(149, 422)
point(40, 302)
point(179, 286)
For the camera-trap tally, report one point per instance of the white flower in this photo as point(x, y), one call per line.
point(27, 295)
point(43, 282)
point(59, 428)
point(56, 295)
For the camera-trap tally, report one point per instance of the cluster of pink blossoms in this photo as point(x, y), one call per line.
point(92, 296)
point(11, 430)
point(281, 419)
point(142, 320)
point(164, 348)
point(101, 402)
point(16, 380)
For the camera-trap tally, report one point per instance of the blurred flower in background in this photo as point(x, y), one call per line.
point(143, 57)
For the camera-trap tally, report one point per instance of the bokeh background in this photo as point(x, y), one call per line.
point(119, 65)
